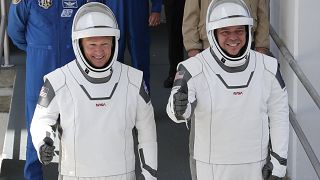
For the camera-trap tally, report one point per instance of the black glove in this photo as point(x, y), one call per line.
point(272, 177)
point(267, 171)
point(47, 151)
point(180, 99)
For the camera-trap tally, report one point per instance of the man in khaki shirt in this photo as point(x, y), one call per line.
point(194, 30)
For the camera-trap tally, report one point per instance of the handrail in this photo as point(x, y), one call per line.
point(295, 67)
point(2, 25)
point(312, 92)
point(305, 143)
point(4, 43)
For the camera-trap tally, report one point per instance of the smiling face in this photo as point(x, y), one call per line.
point(97, 50)
point(231, 39)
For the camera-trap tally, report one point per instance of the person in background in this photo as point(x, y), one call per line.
point(236, 100)
point(174, 15)
point(134, 21)
point(99, 101)
point(43, 30)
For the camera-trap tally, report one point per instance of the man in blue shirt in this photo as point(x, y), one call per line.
point(134, 20)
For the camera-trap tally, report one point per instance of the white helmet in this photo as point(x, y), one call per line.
point(224, 13)
point(94, 19)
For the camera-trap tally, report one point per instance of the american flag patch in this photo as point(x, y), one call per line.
point(179, 75)
point(44, 91)
point(145, 87)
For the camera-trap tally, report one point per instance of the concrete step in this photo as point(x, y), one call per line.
point(7, 79)
point(7, 76)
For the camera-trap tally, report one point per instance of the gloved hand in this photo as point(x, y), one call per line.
point(272, 177)
point(47, 151)
point(267, 171)
point(180, 99)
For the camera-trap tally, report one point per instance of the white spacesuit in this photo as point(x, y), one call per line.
point(233, 100)
point(98, 108)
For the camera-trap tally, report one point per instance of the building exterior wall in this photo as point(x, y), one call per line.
point(297, 24)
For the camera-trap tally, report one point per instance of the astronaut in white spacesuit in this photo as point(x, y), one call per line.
point(233, 95)
point(98, 101)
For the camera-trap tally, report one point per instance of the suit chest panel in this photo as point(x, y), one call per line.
point(100, 105)
point(229, 92)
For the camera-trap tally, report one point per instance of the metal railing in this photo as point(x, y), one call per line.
point(4, 43)
point(312, 92)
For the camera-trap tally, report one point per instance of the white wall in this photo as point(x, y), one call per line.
point(297, 23)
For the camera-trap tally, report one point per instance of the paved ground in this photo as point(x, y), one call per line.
point(172, 138)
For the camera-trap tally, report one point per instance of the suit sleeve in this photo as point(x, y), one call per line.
point(278, 112)
point(45, 117)
point(147, 136)
point(17, 23)
point(182, 75)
